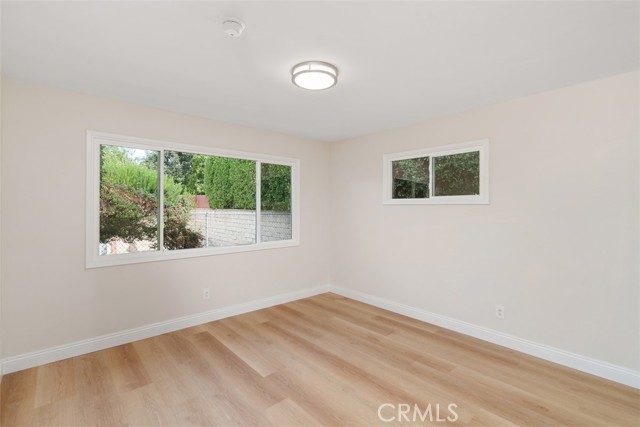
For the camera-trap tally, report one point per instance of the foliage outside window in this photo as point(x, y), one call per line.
point(205, 203)
point(455, 174)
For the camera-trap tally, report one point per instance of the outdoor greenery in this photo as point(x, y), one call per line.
point(275, 187)
point(177, 234)
point(454, 175)
point(137, 174)
point(457, 174)
point(230, 183)
point(126, 214)
point(194, 181)
point(129, 201)
point(411, 178)
point(129, 192)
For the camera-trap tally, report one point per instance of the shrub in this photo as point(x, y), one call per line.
point(275, 189)
point(129, 205)
point(230, 183)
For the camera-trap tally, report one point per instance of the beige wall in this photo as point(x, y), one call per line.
point(1, 370)
point(557, 246)
point(51, 299)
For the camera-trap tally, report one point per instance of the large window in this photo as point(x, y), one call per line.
point(454, 174)
point(150, 200)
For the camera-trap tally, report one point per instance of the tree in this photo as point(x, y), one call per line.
point(129, 200)
point(126, 214)
point(177, 234)
point(411, 178)
point(230, 183)
point(178, 165)
point(275, 188)
point(242, 175)
point(195, 179)
point(457, 174)
point(453, 174)
point(131, 216)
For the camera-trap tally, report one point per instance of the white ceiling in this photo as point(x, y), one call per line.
point(399, 62)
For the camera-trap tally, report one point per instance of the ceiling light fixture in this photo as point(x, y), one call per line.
point(233, 27)
point(314, 75)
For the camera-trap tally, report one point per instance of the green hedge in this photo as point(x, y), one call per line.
point(230, 183)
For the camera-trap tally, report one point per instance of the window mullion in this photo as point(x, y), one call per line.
point(432, 176)
point(161, 201)
point(258, 199)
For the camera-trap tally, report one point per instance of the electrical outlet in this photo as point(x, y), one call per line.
point(500, 311)
point(206, 294)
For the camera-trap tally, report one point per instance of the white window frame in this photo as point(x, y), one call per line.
point(482, 146)
point(96, 139)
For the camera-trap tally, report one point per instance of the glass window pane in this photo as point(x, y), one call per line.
point(275, 202)
point(128, 200)
point(180, 230)
point(410, 178)
point(210, 201)
point(457, 174)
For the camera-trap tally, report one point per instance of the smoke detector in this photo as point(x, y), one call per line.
point(233, 27)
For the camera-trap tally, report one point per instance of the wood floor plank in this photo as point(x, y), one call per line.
point(55, 382)
point(287, 413)
point(18, 399)
point(61, 412)
point(351, 315)
point(247, 350)
point(143, 406)
point(320, 361)
point(173, 387)
point(208, 384)
point(250, 386)
point(380, 380)
point(126, 368)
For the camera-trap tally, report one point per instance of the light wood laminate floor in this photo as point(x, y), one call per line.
point(321, 361)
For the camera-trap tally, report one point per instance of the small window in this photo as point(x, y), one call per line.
point(454, 174)
point(150, 200)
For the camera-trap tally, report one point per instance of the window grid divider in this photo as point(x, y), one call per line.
point(432, 176)
point(161, 201)
point(258, 202)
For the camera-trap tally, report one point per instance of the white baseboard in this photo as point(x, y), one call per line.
point(585, 364)
point(581, 363)
point(53, 354)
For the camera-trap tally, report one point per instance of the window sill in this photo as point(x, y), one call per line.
point(457, 200)
point(152, 256)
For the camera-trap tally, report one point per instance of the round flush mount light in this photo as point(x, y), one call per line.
point(314, 75)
